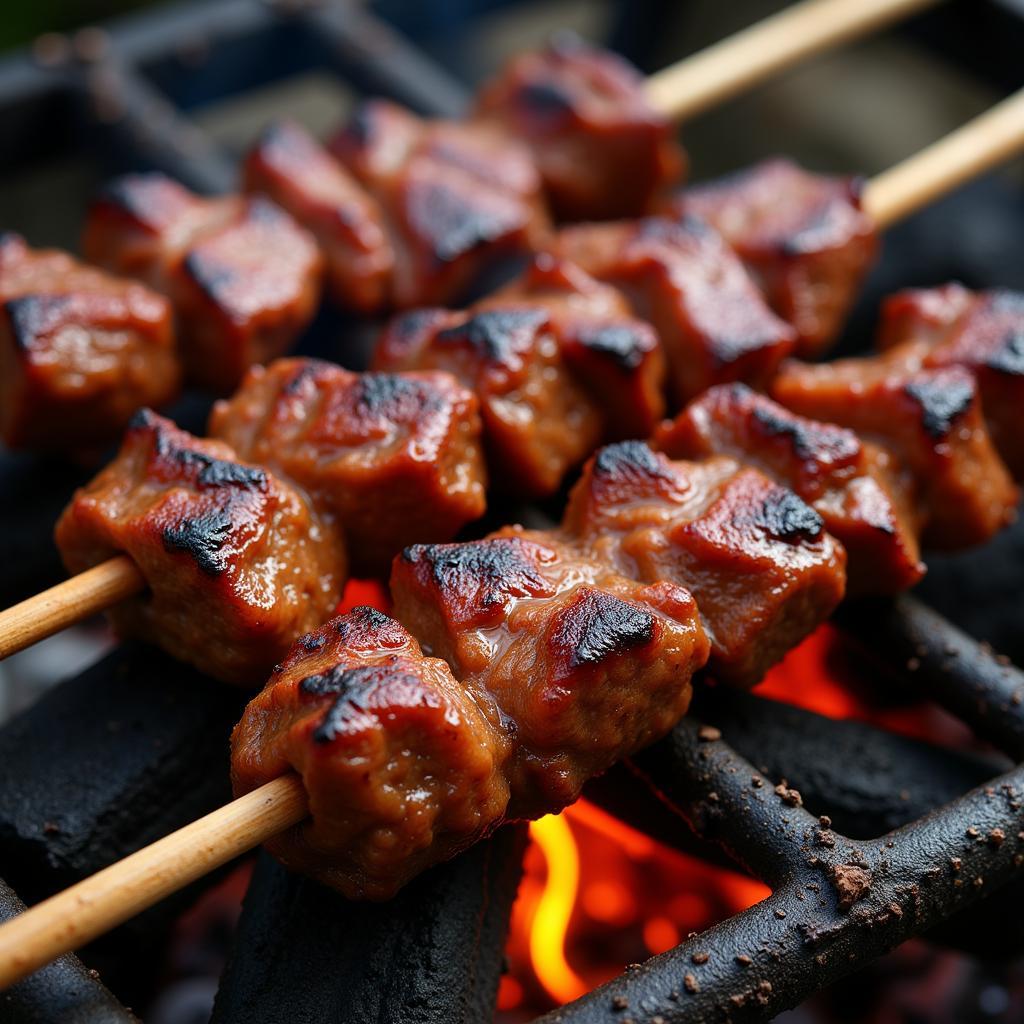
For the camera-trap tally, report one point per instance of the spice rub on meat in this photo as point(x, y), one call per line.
point(602, 150)
point(296, 172)
point(457, 198)
point(236, 562)
point(80, 350)
point(865, 500)
point(394, 457)
point(804, 237)
point(983, 332)
point(401, 762)
point(757, 558)
point(931, 420)
point(243, 277)
point(683, 278)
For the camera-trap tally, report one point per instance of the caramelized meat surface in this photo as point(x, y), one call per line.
point(538, 421)
point(931, 420)
point(80, 350)
point(236, 562)
point(457, 198)
point(244, 278)
point(296, 172)
point(617, 358)
point(864, 501)
point(682, 277)
point(588, 665)
point(602, 149)
point(803, 236)
point(980, 331)
point(756, 558)
point(401, 762)
point(394, 457)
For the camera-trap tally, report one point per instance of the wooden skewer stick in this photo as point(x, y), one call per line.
point(976, 147)
point(72, 601)
point(727, 68)
point(78, 915)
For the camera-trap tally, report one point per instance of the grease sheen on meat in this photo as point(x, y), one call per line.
point(400, 761)
point(931, 420)
point(394, 457)
point(244, 278)
point(980, 331)
point(682, 277)
point(80, 350)
point(457, 198)
point(585, 665)
point(602, 149)
point(757, 559)
point(236, 562)
point(804, 237)
point(300, 175)
point(865, 501)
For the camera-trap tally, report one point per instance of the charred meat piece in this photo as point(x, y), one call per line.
point(80, 350)
point(588, 665)
point(236, 561)
point(538, 421)
point(296, 172)
point(980, 331)
point(685, 280)
point(756, 558)
point(617, 358)
point(865, 503)
point(401, 763)
point(244, 278)
point(393, 457)
point(602, 149)
point(803, 237)
point(931, 419)
point(457, 198)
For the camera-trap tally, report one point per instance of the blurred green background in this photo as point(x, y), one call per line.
point(23, 20)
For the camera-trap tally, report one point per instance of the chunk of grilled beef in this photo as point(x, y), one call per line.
point(683, 278)
point(457, 198)
point(980, 331)
point(394, 457)
point(80, 350)
point(932, 422)
point(539, 422)
point(804, 237)
point(866, 502)
point(602, 149)
point(296, 172)
point(243, 276)
point(235, 560)
point(757, 559)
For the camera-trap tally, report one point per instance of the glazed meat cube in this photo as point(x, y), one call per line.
point(457, 198)
point(538, 422)
point(401, 765)
point(296, 172)
point(80, 350)
point(756, 558)
point(236, 562)
point(683, 278)
point(244, 278)
point(602, 149)
point(804, 237)
point(617, 358)
point(865, 503)
point(393, 457)
point(931, 420)
point(982, 332)
point(588, 665)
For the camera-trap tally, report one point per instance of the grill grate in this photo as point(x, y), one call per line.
point(435, 953)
